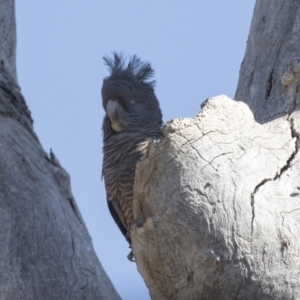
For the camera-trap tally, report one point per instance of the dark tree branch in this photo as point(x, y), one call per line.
point(45, 249)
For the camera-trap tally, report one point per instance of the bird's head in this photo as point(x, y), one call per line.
point(128, 96)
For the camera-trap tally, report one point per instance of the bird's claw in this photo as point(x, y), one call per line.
point(130, 256)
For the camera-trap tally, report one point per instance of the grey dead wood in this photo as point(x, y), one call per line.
point(219, 197)
point(45, 249)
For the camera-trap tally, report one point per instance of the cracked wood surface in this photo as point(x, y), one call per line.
point(209, 231)
point(219, 196)
point(45, 249)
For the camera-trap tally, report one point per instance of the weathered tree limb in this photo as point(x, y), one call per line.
point(8, 38)
point(45, 249)
point(219, 196)
point(270, 70)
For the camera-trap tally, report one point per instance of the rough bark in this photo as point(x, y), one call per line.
point(218, 197)
point(45, 249)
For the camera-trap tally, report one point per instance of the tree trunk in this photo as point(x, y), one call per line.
point(218, 197)
point(45, 249)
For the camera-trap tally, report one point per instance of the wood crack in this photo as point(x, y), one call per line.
point(253, 202)
point(288, 163)
point(269, 85)
point(281, 171)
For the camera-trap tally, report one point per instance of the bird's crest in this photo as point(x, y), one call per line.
point(140, 70)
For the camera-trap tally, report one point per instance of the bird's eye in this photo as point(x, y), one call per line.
point(132, 101)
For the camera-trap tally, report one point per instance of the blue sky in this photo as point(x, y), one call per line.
point(196, 48)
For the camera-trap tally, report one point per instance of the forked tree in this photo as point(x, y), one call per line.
point(219, 197)
point(217, 200)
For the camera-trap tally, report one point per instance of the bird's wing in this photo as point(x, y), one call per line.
point(116, 213)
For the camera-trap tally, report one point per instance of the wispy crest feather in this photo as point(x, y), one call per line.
point(141, 70)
